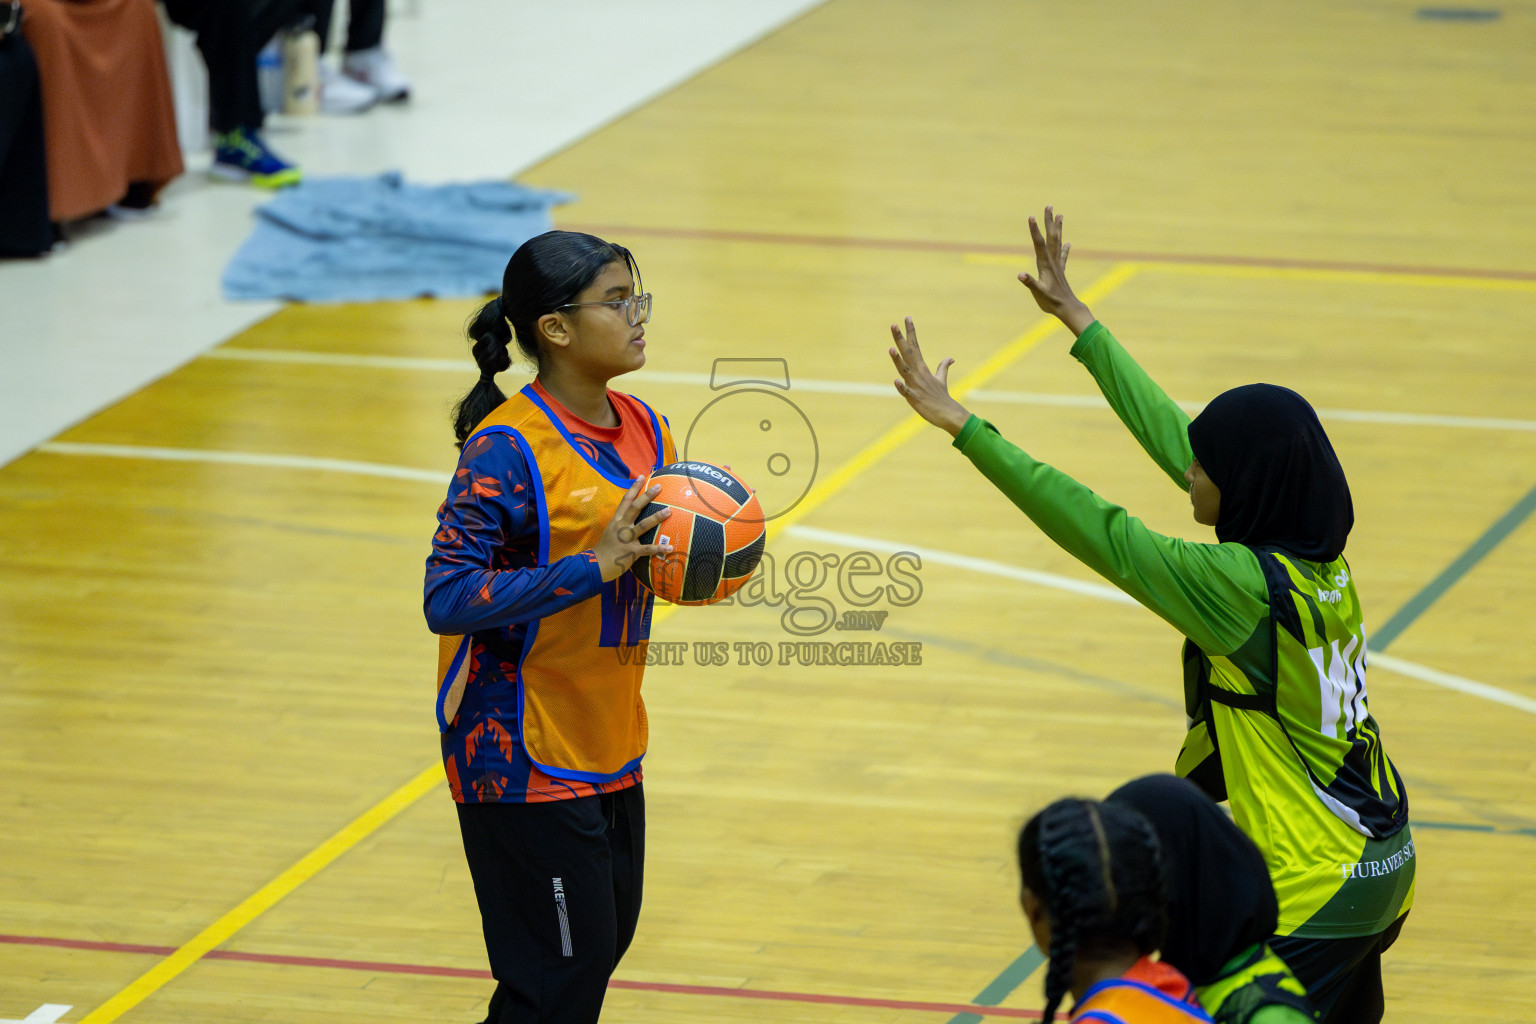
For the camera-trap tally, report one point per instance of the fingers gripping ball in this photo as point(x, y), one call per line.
point(715, 529)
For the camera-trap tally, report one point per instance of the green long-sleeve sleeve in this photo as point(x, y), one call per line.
point(1214, 594)
point(1158, 425)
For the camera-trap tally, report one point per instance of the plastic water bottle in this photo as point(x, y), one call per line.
point(269, 77)
point(301, 73)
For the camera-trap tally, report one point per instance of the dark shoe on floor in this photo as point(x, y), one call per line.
point(242, 155)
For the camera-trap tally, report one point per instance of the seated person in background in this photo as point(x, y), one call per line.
point(229, 34)
point(109, 123)
point(1096, 901)
point(365, 62)
point(1221, 906)
point(24, 226)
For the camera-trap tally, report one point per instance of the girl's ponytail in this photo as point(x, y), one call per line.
point(1059, 872)
point(1097, 868)
point(491, 336)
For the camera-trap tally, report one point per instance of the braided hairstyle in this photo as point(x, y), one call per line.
point(1098, 870)
point(545, 273)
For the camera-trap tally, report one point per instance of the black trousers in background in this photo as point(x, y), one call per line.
point(365, 24)
point(229, 34)
point(1343, 976)
point(24, 226)
point(559, 888)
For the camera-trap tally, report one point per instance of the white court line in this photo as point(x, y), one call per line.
point(1406, 419)
point(466, 366)
point(277, 355)
point(1413, 670)
point(851, 387)
point(129, 451)
point(1415, 419)
point(48, 1013)
point(1044, 579)
point(1450, 682)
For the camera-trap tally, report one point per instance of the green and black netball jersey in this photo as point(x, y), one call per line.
point(1299, 756)
point(1274, 669)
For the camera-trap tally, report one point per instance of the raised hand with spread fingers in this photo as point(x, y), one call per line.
point(926, 391)
point(1049, 284)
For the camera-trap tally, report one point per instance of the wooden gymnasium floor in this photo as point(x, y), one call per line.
point(219, 785)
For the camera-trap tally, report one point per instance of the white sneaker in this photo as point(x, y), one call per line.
point(376, 69)
point(341, 94)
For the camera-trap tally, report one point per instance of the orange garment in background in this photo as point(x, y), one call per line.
point(108, 117)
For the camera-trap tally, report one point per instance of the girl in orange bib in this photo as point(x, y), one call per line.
point(543, 631)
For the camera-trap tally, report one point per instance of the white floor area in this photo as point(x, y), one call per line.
point(498, 85)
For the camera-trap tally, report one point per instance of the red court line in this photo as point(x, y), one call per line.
point(99, 947)
point(933, 245)
point(465, 972)
point(810, 997)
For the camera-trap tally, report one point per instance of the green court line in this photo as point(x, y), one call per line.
point(1461, 826)
point(1001, 986)
point(1420, 602)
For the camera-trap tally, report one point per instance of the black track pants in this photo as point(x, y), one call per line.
point(559, 891)
point(365, 24)
point(1343, 976)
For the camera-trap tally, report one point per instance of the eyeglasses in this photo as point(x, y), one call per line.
point(636, 308)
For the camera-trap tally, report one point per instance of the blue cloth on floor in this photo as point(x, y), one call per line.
point(359, 239)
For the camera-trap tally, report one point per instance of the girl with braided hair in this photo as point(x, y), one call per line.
point(1094, 896)
point(542, 632)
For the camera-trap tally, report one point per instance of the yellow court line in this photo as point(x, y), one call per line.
point(264, 898)
point(1497, 284)
point(428, 779)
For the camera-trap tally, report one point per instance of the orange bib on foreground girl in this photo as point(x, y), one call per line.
point(1151, 992)
point(581, 716)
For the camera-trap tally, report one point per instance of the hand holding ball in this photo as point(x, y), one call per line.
point(622, 542)
point(715, 530)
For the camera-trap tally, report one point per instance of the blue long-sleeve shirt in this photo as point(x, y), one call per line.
point(483, 573)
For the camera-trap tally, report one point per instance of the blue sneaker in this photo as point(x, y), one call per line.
point(242, 155)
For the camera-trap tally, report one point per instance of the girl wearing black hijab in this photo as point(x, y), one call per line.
point(1274, 659)
point(1221, 906)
